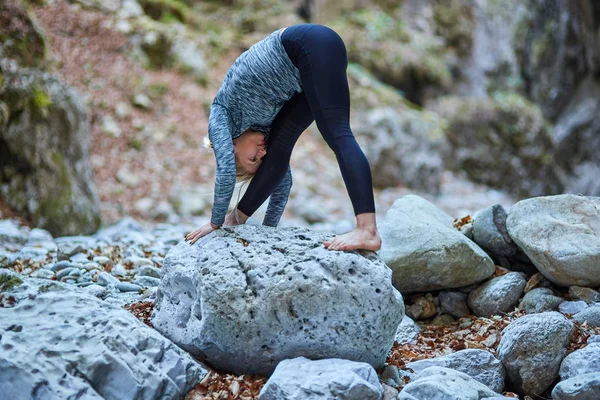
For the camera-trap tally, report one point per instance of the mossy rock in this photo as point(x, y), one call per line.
point(409, 60)
point(44, 147)
point(454, 21)
point(166, 10)
point(9, 281)
point(20, 36)
point(502, 141)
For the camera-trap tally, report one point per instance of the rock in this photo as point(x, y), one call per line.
point(101, 351)
point(146, 281)
point(189, 57)
point(23, 39)
point(479, 126)
point(425, 252)
point(593, 339)
point(389, 392)
point(122, 110)
point(540, 300)
point(572, 307)
point(421, 309)
point(142, 101)
point(582, 361)
point(12, 236)
point(498, 295)
point(106, 279)
point(480, 365)
point(407, 331)
point(149, 270)
point(303, 379)
point(581, 387)
point(46, 144)
point(118, 270)
point(591, 315)
point(129, 9)
point(391, 375)
point(401, 146)
point(115, 232)
point(192, 200)
point(447, 384)
point(128, 287)
point(110, 126)
point(442, 319)
point(551, 229)
point(454, 303)
point(249, 297)
point(532, 348)
point(489, 232)
point(586, 294)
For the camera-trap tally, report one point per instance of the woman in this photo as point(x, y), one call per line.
point(273, 92)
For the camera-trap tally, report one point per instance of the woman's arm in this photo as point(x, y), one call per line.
point(278, 200)
point(219, 132)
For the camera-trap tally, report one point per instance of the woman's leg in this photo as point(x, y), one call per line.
point(320, 55)
point(293, 119)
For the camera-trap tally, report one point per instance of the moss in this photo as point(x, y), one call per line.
point(135, 143)
point(454, 22)
point(40, 101)
point(21, 38)
point(7, 282)
point(166, 10)
point(409, 60)
point(158, 90)
point(159, 51)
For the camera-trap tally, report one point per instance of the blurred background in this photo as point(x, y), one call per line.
point(468, 103)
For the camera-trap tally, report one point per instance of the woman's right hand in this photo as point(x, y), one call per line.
point(204, 230)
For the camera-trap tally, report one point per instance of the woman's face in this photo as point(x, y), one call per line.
point(249, 148)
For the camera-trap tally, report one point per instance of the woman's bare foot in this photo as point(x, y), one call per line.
point(364, 237)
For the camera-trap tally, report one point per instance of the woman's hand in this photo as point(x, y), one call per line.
point(204, 230)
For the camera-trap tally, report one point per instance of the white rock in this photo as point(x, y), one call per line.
point(303, 379)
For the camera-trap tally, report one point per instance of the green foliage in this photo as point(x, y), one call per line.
point(135, 143)
point(7, 282)
point(40, 100)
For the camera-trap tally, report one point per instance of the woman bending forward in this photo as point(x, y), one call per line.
point(271, 94)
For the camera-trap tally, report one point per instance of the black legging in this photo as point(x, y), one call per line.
point(320, 56)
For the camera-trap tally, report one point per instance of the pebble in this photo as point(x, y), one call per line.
point(95, 290)
point(572, 307)
point(146, 281)
point(64, 272)
point(136, 261)
point(42, 273)
point(119, 270)
point(91, 266)
point(148, 270)
point(102, 260)
point(59, 265)
point(128, 287)
point(106, 279)
point(79, 258)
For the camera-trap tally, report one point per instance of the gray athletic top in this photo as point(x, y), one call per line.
point(257, 85)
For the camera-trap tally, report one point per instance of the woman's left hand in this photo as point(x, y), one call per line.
point(204, 230)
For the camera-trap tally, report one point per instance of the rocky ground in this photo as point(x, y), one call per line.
point(123, 266)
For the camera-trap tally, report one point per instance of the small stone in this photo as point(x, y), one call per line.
point(442, 319)
point(95, 290)
point(583, 293)
point(60, 265)
point(389, 393)
point(110, 126)
point(572, 307)
point(122, 110)
point(146, 281)
point(390, 373)
point(136, 261)
point(148, 270)
point(128, 287)
point(421, 309)
point(91, 266)
point(102, 260)
point(144, 205)
point(407, 332)
point(118, 270)
point(454, 303)
point(42, 273)
point(106, 279)
point(79, 258)
point(142, 101)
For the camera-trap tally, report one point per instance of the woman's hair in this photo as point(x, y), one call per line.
point(241, 176)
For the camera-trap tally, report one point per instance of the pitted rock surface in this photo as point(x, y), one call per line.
point(61, 343)
point(425, 252)
point(246, 298)
point(561, 236)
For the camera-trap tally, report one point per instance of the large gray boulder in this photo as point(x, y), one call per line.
point(304, 379)
point(582, 361)
point(480, 365)
point(447, 384)
point(62, 343)
point(532, 348)
point(561, 236)
point(425, 252)
point(582, 387)
point(246, 298)
point(45, 172)
point(498, 295)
